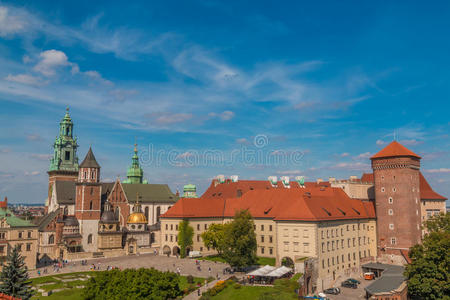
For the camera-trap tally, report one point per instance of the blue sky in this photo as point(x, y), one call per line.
point(319, 86)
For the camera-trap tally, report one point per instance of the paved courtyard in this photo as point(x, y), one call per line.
point(348, 293)
point(186, 266)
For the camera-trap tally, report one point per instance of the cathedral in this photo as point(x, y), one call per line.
point(86, 217)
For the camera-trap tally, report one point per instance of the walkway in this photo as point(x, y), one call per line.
point(203, 288)
point(163, 263)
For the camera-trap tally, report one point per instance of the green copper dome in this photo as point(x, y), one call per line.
point(65, 147)
point(135, 173)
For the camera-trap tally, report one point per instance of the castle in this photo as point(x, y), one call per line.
point(87, 217)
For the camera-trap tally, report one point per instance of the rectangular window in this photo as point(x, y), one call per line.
point(332, 245)
point(285, 232)
point(286, 246)
point(295, 232)
point(167, 226)
point(262, 239)
point(270, 227)
point(354, 242)
point(171, 226)
point(262, 250)
point(171, 238)
point(262, 227)
point(28, 247)
point(295, 247)
point(198, 226)
point(166, 238)
point(323, 263)
point(270, 251)
point(322, 234)
point(198, 237)
point(20, 235)
point(19, 246)
point(67, 155)
point(393, 241)
point(306, 247)
point(270, 239)
point(305, 233)
point(206, 226)
point(323, 247)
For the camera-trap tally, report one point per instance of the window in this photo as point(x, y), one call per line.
point(198, 226)
point(29, 234)
point(342, 231)
point(270, 227)
point(171, 226)
point(158, 213)
point(353, 227)
point(323, 263)
point(359, 241)
point(85, 175)
point(394, 189)
point(171, 238)
point(286, 246)
point(347, 227)
point(354, 242)
point(382, 189)
point(332, 245)
point(305, 233)
point(391, 226)
point(166, 238)
point(270, 239)
point(176, 227)
point(323, 247)
point(285, 232)
point(19, 247)
point(262, 250)
point(198, 237)
point(337, 259)
point(306, 247)
point(391, 200)
point(295, 232)
point(206, 226)
point(90, 205)
point(354, 255)
point(93, 175)
point(28, 247)
point(393, 241)
point(348, 241)
point(67, 155)
point(349, 256)
point(332, 261)
point(342, 258)
point(262, 239)
point(20, 235)
point(270, 251)
point(322, 234)
point(262, 227)
point(328, 246)
point(89, 240)
point(390, 212)
point(167, 226)
point(51, 239)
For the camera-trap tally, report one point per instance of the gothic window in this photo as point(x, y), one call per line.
point(67, 155)
point(89, 239)
point(93, 175)
point(85, 175)
point(51, 239)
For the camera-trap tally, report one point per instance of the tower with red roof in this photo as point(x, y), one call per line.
point(396, 172)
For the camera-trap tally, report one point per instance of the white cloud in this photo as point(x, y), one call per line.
point(242, 141)
point(97, 76)
point(24, 78)
point(364, 155)
point(224, 116)
point(10, 22)
point(345, 154)
point(440, 170)
point(50, 60)
point(289, 172)
point(34, 137)
point(358, 166)
point(380, 142)
point(43, 157)
point(168, 118)
point(411, 142)
point(33, 173)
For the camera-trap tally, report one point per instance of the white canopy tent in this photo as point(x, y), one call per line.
point(262, 271)
point(279, 272)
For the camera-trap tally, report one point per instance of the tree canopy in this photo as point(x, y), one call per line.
point(240, 241)
point(133, 284)
point(214, 237)
point(428, 274)
point(14, 280)
point(185, 235)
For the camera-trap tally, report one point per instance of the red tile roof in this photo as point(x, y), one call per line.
point(367, 177)
point(295, 203)
point(426, 192)
point(395, 149)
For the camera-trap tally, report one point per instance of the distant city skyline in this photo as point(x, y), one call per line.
point(304, 89)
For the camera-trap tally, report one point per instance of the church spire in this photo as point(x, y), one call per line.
point(135, 174)
point(65, 147)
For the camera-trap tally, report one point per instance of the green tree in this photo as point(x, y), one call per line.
point(214, 237)
point(428, 275)
point(185, 235)
point(240, 241)
point(14, 280)
point(132, 284)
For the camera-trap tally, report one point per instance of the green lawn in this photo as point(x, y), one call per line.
point(245, 292)
point(261, 260)
point(73, 293)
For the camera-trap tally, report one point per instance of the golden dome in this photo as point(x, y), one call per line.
point(137, 218)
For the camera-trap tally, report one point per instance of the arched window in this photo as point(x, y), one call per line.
point(146, 212)
point(158, 213)
point(90, 239)
point(93, 175)
point(85, 175)
point(51, 239)
point(90, 205)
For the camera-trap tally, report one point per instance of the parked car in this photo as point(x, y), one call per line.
point(332, 291)
point(353, 280)
point(349, 284)
point(369, 276)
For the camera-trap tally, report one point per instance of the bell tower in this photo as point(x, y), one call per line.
point(135, 174)
point(64, 163)
point(88, 201)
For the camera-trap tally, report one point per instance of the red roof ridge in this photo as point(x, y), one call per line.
point(394, 149)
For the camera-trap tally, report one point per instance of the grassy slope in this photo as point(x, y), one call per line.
point(261, 260)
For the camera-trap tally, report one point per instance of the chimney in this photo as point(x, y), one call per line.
point(301, 181)
point(221, 178)
point(319, 180)
point(353, 178)
point(273, 180)
point(285, 181)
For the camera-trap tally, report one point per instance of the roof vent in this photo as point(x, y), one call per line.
point(273, 180)
point(356, 211)
point(343, 212)
point(234, 178)
point(285, 181)
point(328, 213)
point(301, 181)
point(220, 178)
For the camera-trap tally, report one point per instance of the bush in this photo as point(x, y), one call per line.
point(190, 279)
point(237, 286)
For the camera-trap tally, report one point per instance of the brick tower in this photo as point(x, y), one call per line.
point(397, 199)
point(64, 163)
point(88, 201)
